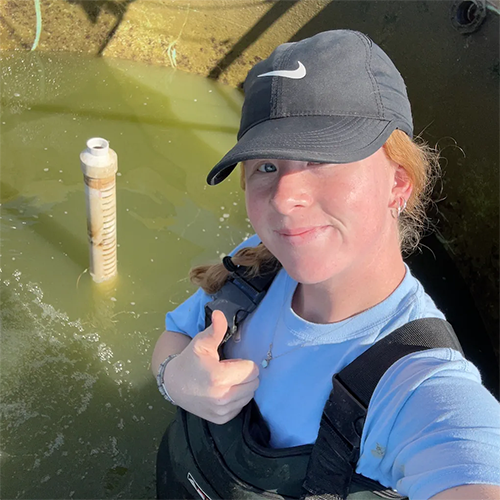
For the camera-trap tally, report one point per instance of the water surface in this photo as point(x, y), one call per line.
point(81, 415)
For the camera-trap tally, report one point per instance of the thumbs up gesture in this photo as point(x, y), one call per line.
point(202, 384)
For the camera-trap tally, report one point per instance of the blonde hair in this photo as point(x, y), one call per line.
point(212, 277)
point(421, 164)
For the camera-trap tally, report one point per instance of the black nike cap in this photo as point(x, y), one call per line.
point(335, 97)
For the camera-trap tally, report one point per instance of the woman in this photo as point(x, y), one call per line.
point(334, 189)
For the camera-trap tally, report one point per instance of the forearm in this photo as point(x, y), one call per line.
point(168, 343)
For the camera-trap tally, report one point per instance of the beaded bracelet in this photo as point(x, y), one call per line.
point(161, 382)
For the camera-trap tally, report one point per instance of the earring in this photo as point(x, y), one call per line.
point(402, 206)
point(396, 212)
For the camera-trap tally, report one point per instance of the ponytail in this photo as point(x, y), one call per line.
point(211, 278)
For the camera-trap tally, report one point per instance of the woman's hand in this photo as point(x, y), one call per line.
point(202, 384)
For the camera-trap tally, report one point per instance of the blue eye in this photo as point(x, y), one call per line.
point(267, 168)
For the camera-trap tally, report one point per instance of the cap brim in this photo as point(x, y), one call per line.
point(339, 139)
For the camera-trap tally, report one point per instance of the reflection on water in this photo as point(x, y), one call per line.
point(81, 415)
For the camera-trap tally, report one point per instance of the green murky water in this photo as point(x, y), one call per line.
point(81, 415)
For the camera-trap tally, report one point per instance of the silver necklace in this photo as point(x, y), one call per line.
point(269, 357)
point(265, 362)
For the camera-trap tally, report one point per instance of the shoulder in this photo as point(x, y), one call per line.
point(433, 371)
point(408, 373)
point(432, 425)
point(420, 304)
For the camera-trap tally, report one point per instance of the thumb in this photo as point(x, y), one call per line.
point(213, 335)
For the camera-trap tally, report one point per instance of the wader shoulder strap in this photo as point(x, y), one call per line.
point(418, 335)
point(336, 451)
point(239, 296)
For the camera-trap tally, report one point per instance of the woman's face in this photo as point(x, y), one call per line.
point(320, 219)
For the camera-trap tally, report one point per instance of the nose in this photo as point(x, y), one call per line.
point(292, 191)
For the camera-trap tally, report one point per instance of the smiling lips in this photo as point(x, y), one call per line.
point(301, 234)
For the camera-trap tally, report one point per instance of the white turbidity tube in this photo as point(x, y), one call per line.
point(99, 166)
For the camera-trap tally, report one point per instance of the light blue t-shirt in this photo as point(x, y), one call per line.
point(430, 426)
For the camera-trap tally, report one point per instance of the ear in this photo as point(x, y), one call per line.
point(402, 186)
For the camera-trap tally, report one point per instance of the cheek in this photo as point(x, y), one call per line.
point(254, 208)
point(348, 198)
point(361, 202)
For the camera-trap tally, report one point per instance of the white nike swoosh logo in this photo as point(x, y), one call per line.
point(295, 74)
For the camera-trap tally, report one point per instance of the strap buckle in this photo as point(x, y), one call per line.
point(236, 299)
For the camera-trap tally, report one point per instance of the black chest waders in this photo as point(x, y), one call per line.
point(199, 459)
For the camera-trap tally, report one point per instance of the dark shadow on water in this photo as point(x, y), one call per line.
point(45, 226)
point(121, 117)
